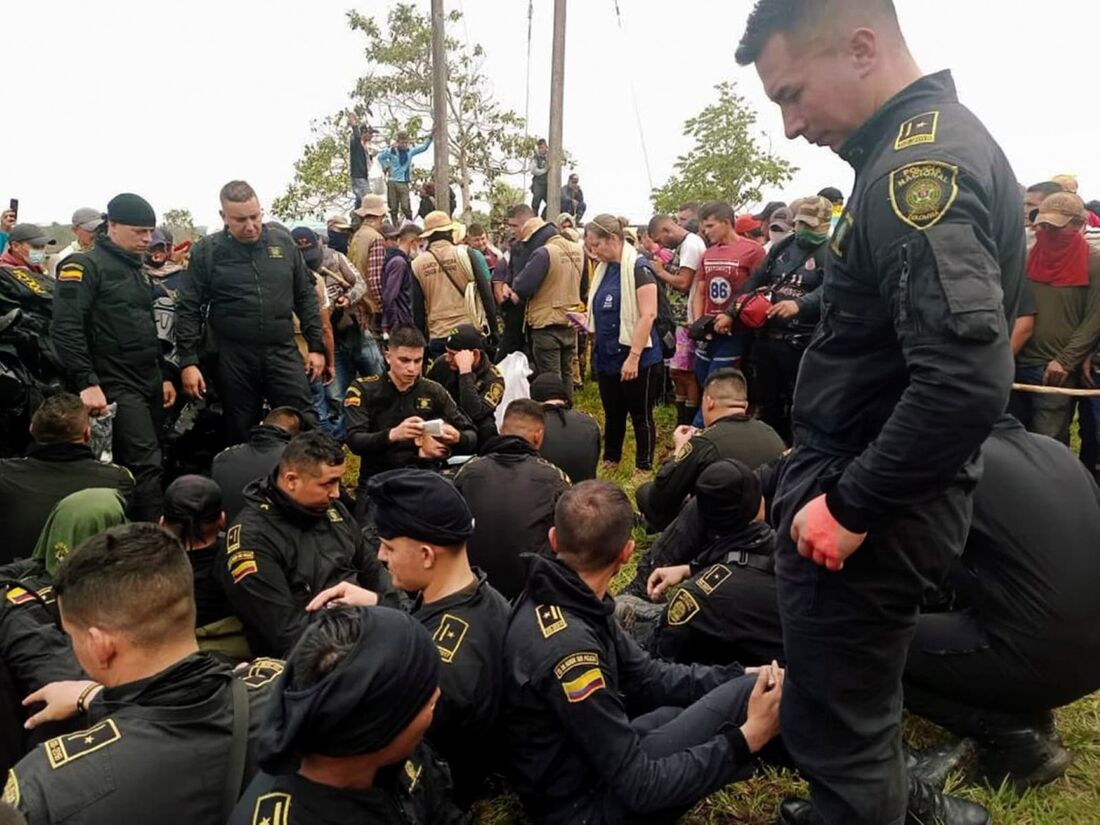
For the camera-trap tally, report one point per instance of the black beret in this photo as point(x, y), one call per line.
point(131, 210)
point(728, 494)
point(420, 505)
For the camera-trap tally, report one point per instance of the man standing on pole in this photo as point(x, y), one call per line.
point(903, 380)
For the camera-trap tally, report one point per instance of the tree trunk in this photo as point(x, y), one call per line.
point(464, 183)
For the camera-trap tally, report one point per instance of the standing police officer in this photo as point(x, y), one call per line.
point(903, 380)
point(247, 282)
point(106, 339)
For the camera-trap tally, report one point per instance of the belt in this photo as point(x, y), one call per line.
point(757, 561)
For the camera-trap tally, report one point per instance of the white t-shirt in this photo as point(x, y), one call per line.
point(690, 253)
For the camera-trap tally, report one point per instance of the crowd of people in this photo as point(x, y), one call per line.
point(291, 540)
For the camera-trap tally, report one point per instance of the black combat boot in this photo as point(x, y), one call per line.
point(928, 806)
point(798, 812)
point(934, 764)
point(1025, 757)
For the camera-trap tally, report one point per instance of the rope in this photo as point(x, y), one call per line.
point(634, 98)
point(527, 100)
point(1056, 391)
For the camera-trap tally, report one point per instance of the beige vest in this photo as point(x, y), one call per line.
point(444, 289)
point(358, 252)
point(560, 292)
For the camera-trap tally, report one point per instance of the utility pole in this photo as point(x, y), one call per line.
point(439, 105)
point(557, 99)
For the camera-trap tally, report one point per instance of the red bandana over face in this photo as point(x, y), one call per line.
point(1060, 257)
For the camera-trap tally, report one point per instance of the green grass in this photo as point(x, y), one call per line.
point(1072, 800)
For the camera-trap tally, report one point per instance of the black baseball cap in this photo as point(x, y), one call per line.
point(192, 498)
point(464, 336)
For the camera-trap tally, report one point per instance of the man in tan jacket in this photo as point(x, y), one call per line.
point(551, 284)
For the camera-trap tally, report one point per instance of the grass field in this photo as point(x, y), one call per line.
point(1073, 800)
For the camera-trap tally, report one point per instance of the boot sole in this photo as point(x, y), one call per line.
point(1052, 769)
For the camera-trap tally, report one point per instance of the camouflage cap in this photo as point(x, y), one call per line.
point(815, 213)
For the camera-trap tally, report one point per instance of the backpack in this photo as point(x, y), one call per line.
point(665, 324)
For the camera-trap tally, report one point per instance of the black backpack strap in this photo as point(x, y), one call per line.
point(238, 749)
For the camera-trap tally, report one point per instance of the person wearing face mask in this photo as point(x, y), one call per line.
point(84, 225)
point(27, 248)
point(792, 275)
point(780, 227)
point(1063, 272)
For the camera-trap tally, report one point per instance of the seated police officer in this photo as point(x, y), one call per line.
point(234, 467)
point(597, 730)
point(293, 539)
point(726, 609)
point(342, 743)
point(466, 372)
point(58, 463)
point(386, 414)
point(571, 438)
point(730, 433)
point(168, 734)
point(1022, 637)
point(424, 551)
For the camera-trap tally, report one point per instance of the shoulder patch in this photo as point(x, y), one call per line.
point(683, 452)
point(423, 403)
point(11, 790)
point(448, 637)
point(585, 658)
point(583, 686)
point(241, 565)
point(272, 809)
point(713, 577)
point(682, 608)
point(19, 595)
point(262, 672)
point(65, 749)
point(370, 379)
point(922, 192)
point(494, 393)
point(353, 400)
point(842, 235)
point(233, 538)
point(334, 515)
point(550, 619)
point(71, 272)
point(917, 130)
point(275, 252)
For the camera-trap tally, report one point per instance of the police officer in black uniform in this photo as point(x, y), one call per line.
point(106, 340)
point(572, 676)
point(386, 414)
point(169, 735)
point(466, 372)
point(342, 743)
point(906, 374)
point(293, 539)
point(424, 551)
point(245, 284)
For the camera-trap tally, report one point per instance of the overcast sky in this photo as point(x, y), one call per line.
point(171, 100)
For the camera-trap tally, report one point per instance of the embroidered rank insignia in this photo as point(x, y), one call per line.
point(550, 619)
point(423, 403)
point(272, 809)
point(243, 570)
point(71, 272)
point(233, 538)
point(262, 672)
point(682, 608)
point(19, 595)
point(579, 689)
point(334, 515)
point(412, 774)
point(584, 658)
point(922, 192)
point(713, 577)
point(11, 790)
point(448, 637)
point(275, 253)
point(65, 749)
point(683, 452)
point(917, 130)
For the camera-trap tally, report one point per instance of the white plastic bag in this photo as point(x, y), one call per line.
point(103, 430)
point(515, 370)
point(376, 178)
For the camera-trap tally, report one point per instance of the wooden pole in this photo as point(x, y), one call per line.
point(439, 106)
point(557, 100)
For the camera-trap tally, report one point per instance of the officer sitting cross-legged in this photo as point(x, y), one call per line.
point(599, 732)
point(292, 540)
point(343, 740)
point(168, 737)
point(424, 549)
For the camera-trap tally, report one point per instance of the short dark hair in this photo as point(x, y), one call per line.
point(728, 383)
point(236, 191)
point(402, 135)
point(717, 210)
point(323, 645)
point(542, 142)
point(592, 524)
point(656, 221)
point(770, 17)
point(309, 451)
point(407, 336)
point(134, 578)
point(1047, 188)
point(475, 230)
point(61, 419)
point(690, 206)
point(526, 411)
point(408, 229)
point(286, 418)
point(520, 210)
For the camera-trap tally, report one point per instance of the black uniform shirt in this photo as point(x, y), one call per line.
point(910, 365)
point(468, 628)
point(374, 406)
point(32, 645)
point(155, 750)
point(477, 394)
point(572, 442)
point(277, 556)
point(794, 272)
point(417, 792)
point(572, 681)
point(103, 328)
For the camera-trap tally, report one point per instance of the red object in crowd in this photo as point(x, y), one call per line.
point(746, 225)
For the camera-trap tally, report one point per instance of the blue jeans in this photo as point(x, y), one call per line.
point(360, 187)
point(720, 352)
point(330, 417)
point(351, 364)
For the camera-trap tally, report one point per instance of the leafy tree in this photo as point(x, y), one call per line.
point(726, 163)
point(182, 224)
point(485, 140)
point(502, 196)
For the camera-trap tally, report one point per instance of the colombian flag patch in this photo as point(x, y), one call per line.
point(579, 689)
point(243, 571)
point(71, 272)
